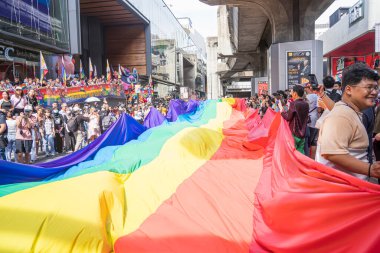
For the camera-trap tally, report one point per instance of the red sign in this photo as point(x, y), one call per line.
point(262, 87)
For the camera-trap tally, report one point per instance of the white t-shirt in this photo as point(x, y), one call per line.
point(15, 102)
point(11, 127)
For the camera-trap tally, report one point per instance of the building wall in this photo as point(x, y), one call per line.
point(126, 45)
point(224, 41)
point(341, 32)
point(168, 39)
point(92, 44)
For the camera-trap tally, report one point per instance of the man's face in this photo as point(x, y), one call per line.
point(363, 94)
point(336, 87)
point(54, 105)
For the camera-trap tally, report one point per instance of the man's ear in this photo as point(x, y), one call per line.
point(348, 90)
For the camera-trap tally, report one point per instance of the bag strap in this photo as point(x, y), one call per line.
point(17, 103)
point(313, 109)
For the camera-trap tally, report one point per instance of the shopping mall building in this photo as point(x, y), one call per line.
point(136, 34)
point(354, 35)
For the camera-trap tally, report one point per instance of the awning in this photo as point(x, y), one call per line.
point(112, 12)
point(360, 46)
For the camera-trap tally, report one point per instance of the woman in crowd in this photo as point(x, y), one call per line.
point(93, 125)
point(24, 139)
point(31, 99)
point(5, 102)
point(39, 128)
point(11, 135)
point(49, 133)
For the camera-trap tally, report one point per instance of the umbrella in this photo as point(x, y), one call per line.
point(92, 99)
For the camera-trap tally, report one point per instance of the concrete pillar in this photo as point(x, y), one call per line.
point(213, 81)
point(74, 27)
point(283, 60)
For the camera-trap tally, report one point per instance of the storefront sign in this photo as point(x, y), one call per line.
point(298, 67)
point(6, 52)
point(356, 12)
point(13, 54)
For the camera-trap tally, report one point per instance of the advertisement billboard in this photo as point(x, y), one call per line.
point(298, 67)
point(262, 87)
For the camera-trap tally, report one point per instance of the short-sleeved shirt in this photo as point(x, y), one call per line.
point(343, 133)
point(15, 102)
point(6, 105)
point(25, 133)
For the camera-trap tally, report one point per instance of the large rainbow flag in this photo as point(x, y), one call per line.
point(216, 179)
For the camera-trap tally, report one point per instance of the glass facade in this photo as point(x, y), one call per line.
point(169, 40)
point(44, 21)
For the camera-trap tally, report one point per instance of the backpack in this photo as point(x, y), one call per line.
point(334, 95)
point(72, 125)
point(108, 121)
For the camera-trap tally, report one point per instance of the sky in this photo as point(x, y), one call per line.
point(203, 16)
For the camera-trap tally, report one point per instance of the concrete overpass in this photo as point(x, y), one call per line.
point(248, 28)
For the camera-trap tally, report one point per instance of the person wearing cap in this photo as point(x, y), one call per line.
point(18, 101)
point(24, 139)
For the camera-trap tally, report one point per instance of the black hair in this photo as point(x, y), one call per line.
point(355, 73)
point(9, 96)
point(299, 90)
point(328, 82)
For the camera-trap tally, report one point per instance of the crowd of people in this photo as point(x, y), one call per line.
point(29, 132)
point(34, 83)
point(337, 123)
